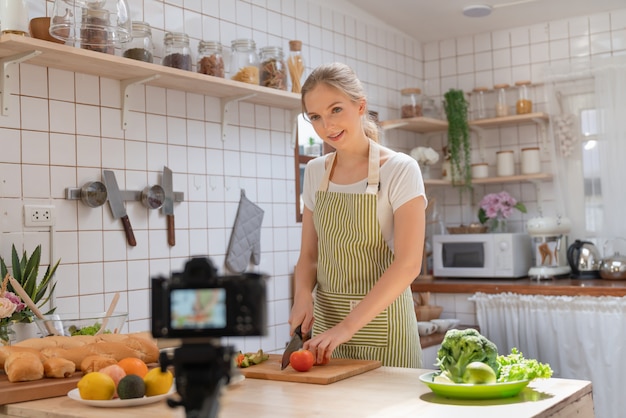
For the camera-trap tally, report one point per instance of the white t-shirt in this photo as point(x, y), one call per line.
point(400, 181)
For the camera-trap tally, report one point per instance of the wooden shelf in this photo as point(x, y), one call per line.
point(73, 59)
point(419, 125)
point(495, 180)
point(526, 119)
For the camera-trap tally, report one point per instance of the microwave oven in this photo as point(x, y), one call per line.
point(502, 255)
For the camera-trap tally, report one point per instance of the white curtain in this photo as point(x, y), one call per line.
point(580, 337)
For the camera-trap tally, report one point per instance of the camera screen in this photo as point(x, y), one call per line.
point(198, 308)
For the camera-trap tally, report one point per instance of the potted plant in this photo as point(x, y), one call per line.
point(458, 148)
point(25, 271)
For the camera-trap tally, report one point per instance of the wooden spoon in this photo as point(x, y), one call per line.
point(110, 311)
point(29, 302)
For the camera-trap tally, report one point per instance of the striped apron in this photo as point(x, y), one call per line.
point(352, 255)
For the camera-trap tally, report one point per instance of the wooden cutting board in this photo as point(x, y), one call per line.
point(37, 389)
point(335, 370)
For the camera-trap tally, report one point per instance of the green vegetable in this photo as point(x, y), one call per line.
point(515, 367)
point(462, 347)
point(90, 330)
point(250, 359)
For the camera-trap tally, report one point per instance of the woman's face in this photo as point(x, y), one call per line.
point(335, 118)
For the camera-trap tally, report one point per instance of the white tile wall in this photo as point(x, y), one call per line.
point(64, 127)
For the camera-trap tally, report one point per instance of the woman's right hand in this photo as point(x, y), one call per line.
point(301, 314)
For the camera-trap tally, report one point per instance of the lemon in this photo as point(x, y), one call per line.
point(479, 372)
point(158, 382)
point(442, 379)
point(96, 386)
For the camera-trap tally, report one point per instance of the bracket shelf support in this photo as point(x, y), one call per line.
point(225, 102)
point(4, 75)
point(125, 86)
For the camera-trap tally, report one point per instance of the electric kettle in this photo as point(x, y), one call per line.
point(584, 259)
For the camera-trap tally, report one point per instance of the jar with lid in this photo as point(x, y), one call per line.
point(177, 53)
point(273, 71)
point(140, 46)
point(94, 32)
point(14, 15)
point(479, 111)
point(411, 102)
point(502, 108)
point(524, 104)
point(295, 63)
point(530, 160)
point(505, 165)
point(244, 61)
point(210, 59)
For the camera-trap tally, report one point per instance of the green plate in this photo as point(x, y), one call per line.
point(469, 391)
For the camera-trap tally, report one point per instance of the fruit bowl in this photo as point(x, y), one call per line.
point(81, 323)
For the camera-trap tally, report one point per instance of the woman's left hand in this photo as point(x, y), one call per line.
point(323, 345)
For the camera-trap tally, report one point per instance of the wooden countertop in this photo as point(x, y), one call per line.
point(556, 287)
point(383, 392)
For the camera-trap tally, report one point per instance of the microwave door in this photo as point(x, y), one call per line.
point(466, 259)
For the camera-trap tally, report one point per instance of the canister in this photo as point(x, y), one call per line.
point(273, 70)
point(524, 104)
point(531, 164)
point(210, 59)
point(502, 107)
point(411, 102)
point(244, 61)
point(177, 52)
point(140, 46)
point(479, 111)
point(504, 163)
point(480, 170)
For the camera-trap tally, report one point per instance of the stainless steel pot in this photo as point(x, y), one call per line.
point(613, 267)
point(584, 259)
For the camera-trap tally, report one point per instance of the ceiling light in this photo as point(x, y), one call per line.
point(477, 10)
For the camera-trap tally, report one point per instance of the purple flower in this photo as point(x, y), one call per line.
point(500, 205)
point(19, 305)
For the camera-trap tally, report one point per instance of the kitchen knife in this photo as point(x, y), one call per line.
point(168, 205)
point(117, 205)
point(294, 345)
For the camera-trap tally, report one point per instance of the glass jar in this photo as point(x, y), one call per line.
point(141, 47)
point(244, 61)
point(94, 32)
point(524, 104)
point(505, 165)
point(295, 63)
point(210, 59)
point(411, 102)
point(502, 108)
point(273, 71)
point(479, 111)
point(177, 53)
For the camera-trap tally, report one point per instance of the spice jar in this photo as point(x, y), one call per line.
point(273, 71)
point(140, 47)
point(411, 102)
point(524, 104)
point(531, 164)
point(210, 59)
point(502, 108)
point(177, 52)
point(504, 163)
point(94, 33)
point(244, 62)
point(479, 111)
point(295, 63)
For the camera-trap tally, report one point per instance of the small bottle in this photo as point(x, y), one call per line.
point(505, 165)
point(479, 111)
point(524, 104)
point(177, 52)
point(502, 108)
point(273, 71)
point(531, 163)
point(411, 102)
point(210, 59)
point(295, 63)
point(244, 62)
point(140, 47)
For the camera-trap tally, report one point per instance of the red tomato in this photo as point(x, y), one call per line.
point(301, 360)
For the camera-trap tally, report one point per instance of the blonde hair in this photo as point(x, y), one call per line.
point(343, 78)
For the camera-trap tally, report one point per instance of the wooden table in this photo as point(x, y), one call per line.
point(383, 392)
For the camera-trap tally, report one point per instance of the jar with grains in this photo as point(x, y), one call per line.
point(502, 107)
point(295, 63)
point(479, 110)
point(210, 59)
point(411, 102)
point(94, 32)
point(244, 61)
point(140, 46)
point(177, 53)
point(524, 104)
point(273, 70)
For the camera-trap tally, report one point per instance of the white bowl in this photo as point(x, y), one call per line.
point(426, 328)
point(445, 324)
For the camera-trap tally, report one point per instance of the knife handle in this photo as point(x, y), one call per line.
point(130, 235)
point(171, 234)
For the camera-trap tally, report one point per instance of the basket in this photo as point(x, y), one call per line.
point(467, 229)
point(428, 312)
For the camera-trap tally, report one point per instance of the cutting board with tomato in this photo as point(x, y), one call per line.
point(37, 389)
point(335, 370)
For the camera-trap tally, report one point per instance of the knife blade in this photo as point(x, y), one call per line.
point(117, 205)
point(168, 205)
point(294, 345)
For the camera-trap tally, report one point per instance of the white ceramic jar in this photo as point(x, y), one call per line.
point(480, 170)
point(530, 161)
point(505, 163)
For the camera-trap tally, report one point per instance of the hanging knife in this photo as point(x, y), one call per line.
point(168, 205)
point(294, 345)
point(117, 205)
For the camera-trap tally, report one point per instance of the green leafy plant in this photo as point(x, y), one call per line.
point(459, 148)
point(25, 271)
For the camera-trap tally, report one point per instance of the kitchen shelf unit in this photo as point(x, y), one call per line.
point(16, 49)
point(418, 124)
point(495, 180)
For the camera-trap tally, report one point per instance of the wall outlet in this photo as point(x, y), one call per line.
point(38, 215)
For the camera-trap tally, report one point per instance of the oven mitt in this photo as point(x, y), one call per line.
point(245, 240)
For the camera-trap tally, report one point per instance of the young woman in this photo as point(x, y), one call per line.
point(362, 232)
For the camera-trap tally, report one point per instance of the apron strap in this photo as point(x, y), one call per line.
point(373, 171)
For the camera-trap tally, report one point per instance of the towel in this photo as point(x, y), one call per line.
point(245, 239)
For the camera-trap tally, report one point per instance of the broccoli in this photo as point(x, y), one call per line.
point(462, 347)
